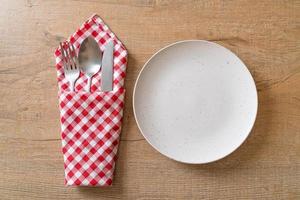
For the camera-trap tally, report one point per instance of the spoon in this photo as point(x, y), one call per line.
point(90, 59)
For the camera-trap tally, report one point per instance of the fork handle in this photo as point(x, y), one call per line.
point(72, 86)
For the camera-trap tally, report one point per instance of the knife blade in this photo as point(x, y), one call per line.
point(107, 67)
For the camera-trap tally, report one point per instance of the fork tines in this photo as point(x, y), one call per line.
point(70, 63)
point(69, 55)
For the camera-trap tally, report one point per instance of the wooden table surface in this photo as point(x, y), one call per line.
point(264, 34)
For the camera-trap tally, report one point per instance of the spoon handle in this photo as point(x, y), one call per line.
point(88, 85)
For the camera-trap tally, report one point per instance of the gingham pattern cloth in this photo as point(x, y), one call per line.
point(91, 121)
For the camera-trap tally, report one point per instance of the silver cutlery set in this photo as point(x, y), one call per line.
point(89, 61)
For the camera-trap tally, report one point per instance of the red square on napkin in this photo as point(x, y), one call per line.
point(91, 121)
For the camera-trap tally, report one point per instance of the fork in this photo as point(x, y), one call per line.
point(70, 63)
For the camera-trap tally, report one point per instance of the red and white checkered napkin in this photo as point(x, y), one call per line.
point(91, 122)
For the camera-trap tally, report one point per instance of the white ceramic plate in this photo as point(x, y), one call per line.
point(195, 101)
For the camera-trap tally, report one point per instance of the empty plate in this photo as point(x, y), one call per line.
point(195, 101)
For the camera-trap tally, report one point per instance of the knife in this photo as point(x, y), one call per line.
point(107, 67)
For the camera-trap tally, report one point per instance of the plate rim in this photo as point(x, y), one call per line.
point(134, 94)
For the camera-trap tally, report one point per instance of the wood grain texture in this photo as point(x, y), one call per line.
point(264, 34)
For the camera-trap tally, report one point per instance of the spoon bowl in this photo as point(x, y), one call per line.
point(90, 59)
